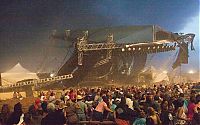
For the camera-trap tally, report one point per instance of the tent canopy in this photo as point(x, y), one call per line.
point(17, 73)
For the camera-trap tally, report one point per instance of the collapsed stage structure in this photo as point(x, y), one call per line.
point(120, 53)
point(112, 53)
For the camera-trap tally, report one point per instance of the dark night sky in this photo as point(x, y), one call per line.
point(26, 24)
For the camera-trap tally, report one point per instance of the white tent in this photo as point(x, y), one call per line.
point(17, 73)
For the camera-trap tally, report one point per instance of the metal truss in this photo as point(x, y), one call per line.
point(109, 45)
point(102, 62)
point(98, 46)
point(39, 81)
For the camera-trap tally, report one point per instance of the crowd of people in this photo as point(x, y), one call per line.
point(155, 105)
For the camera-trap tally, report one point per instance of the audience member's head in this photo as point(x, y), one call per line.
point(18, 108)
point(142, 114)
point(50, 107)
point(5, 109)
point(180, 102)
point(151, 111)
point(44, 106)
point(192, 99)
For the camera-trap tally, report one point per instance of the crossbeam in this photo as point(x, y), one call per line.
point(39, 81)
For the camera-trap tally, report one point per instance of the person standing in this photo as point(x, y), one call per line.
point(5, 113)
point(17, 116)
point(152, 118)
point(81, 108)
point(191, 107)
point(165, 116)
point(141, 120)
point(99, 110)
point(70, 113)
point(181, 114)
point(122, 113)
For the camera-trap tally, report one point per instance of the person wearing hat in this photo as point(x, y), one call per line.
point(81, 108)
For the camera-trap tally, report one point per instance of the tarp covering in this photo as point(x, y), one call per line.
point(17, 73)
point(182, 55)
point(157, 75)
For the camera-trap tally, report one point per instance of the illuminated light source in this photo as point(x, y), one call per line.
point(165, 71)
point(127, 46)
point(123, 49)
point(158, 47)
point(163, 46)
point(51, 75)
point(133, 49)
point(154, 47)
point(129, 49)
point(123, 72)
point(191, 72)
point(148, 47)
point(139, 48)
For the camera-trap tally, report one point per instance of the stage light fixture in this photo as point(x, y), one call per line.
point(139, 48)
point(129, 49)
point(127, 46)
point(51, 75)
point(123, 49)
point(133, 49)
